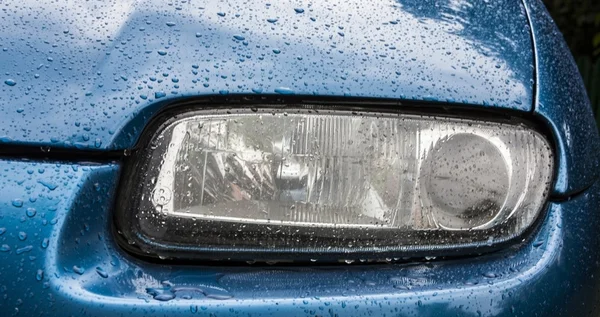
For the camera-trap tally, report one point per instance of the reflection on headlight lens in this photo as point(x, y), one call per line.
point(466, 178)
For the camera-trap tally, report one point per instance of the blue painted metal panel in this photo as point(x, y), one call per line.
point(562, 101)
point(90, 75)
point(74, 74)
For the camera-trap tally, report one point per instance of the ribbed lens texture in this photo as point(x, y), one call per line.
point(340, 182)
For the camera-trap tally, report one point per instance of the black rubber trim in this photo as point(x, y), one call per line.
point(57, 153)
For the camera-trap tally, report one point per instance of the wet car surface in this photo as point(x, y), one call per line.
point(82, 82)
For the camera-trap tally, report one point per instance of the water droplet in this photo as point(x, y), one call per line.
point(17, 203)
point(45, 243)
point(159, 94)
point(299, 10)
point(2, 231)
point(218, 296)
point(101, 272)
point(30, 212)
point(39, 275)
point(10, 82)
point(284, 91)
point(78, 270)
point(162, 53)
point(170, 23)
point(4, 248)
point(22, 236)
point(221, 14)
point(489, 274)
point(24, 249)
point(273, 20)
point(239, 37)
point(48, 184)
point(276, 51)
point(164, 297)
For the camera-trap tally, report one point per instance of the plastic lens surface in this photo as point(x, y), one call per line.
point(316, 183)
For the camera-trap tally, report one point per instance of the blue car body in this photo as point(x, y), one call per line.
point(83, 79)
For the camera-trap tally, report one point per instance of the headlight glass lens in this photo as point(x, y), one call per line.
point(260, 185)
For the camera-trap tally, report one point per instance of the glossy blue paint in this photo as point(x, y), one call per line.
point(70, 265)
point(563, 103)
point(90, 75)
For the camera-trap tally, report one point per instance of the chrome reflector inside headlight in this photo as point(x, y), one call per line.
point(268, 185)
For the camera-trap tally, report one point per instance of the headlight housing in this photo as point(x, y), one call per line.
point(268, 184)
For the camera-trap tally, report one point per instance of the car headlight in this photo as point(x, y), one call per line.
point(274, 185)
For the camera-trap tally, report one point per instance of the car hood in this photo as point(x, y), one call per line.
point(78, 73)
